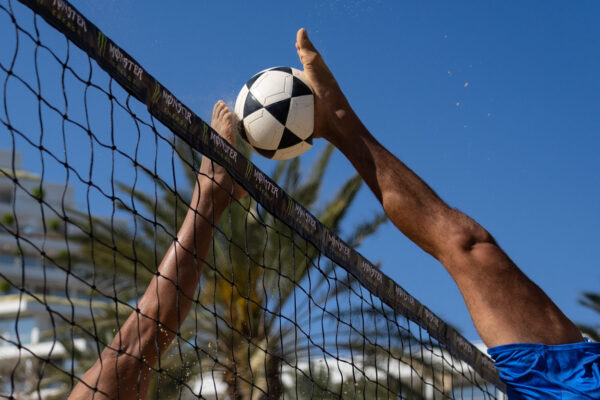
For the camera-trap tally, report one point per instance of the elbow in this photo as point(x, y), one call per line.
point(465, 237)
point(472, 237)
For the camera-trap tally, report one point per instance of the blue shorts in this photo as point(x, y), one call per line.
point(540, 371)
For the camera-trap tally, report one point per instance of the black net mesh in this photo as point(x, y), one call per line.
point(93, 191)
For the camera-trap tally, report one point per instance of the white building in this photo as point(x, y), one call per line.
point(35, 295)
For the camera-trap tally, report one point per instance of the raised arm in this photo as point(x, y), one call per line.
point(119, 372)
point(506, 307)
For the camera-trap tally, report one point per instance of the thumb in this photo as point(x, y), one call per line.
point(303, 42)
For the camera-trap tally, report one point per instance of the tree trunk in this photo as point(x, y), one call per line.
point(233, 384)
point(273, 377)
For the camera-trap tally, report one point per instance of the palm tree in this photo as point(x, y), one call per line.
point(592, 301)
point(254, 270)
point(273, 318)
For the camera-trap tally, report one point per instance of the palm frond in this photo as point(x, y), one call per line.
point(255, 264)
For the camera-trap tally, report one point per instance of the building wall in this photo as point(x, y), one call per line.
point(34, 292)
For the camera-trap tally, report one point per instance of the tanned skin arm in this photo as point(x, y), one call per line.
point(118, 373)
point(505, 305)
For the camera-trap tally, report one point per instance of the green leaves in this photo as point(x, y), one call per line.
point(592, 301)
point(255, 265)
point(8, 219)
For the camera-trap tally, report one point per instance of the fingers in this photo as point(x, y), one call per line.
point(303, 42)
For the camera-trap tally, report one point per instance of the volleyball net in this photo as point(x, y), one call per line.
point(97, 169)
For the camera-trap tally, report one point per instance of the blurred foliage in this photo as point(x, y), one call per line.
point(592, 301)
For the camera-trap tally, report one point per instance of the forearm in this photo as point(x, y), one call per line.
point(169, 295)
point(408, 201)
point(124, 366)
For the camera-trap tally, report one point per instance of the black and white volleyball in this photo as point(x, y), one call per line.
point(275, 113)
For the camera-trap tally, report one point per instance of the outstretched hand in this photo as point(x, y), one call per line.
point(331, 106)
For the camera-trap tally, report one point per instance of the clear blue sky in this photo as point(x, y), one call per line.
point(495, 104)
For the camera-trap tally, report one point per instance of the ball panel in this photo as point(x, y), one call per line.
point(291, 152)
point(265, 153)
point(253, 79)
point(283, 69)
point(300, 75)
point(288, 139)
point(280, 110)
point(257, 79)
point(300, 88)
point(241, 130)
point(301, 119)
point(272, 86)
point(264, 130)
point(251, 104)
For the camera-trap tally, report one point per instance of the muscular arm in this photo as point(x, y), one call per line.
point(124, 367)
point(408, 201)
point(505, 305)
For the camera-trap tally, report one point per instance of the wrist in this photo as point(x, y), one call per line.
point(346, 128)
point(214, 199)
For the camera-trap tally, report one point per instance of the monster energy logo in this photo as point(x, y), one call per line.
point(370, 272)
point(431, 318)
point(265, 185)
point(391, 286)
point(248, 172)
point(289, 207)
point(70, 13)
point(101, 43)
point(222, 146)
point(205, 133)
point(304, 217)
point(405, 297)
point(176, 106)
point(156, 93)
point(337, 245)
point(464, 346)
point(125, 62)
